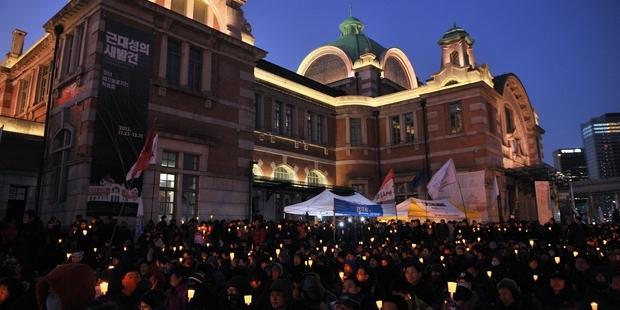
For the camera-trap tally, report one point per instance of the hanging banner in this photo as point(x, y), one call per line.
point(346, 208)
point(121, 117)
point(543, 201)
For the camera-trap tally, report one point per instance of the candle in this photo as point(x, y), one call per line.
point(59, 240)
point(174, 249)
point(594, 306)
point(452, 288)
point(372, 239)
point(341, 275)
point(180, 259)
point(68, 255)
point(277, 252)
point(516, 252)
point(232, 255)
point(190, 294)
point(479, 239)
point(125, 248)
point(84, 232)
point(111, 267)
point(489, 273)
point(281, 245)
point(604, 242)
point(180, 248)
point(557, 259)
point(364, 257)
point(421, 260)
point(247, 299)
point(310, 263)
point(441, 258)
point(532, 242)
point(103, 287)
point(379, 304)
point(95, 250)
point(575, 253)
point(413, 245)
point(535, 277)
point(324, 249)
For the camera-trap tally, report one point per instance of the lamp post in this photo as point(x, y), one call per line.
point(58, 30)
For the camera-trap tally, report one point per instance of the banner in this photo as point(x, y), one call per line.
point(543, 201)
point(346, 208)
point(121, 116)
point(467, 194)
point(442, 179)
point(386, 192)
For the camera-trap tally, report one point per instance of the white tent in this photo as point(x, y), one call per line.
point(323, 204)
point(433, 210)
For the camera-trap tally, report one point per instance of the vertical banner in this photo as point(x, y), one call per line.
point(468, 194)
point(543, 201)
point(121, 119)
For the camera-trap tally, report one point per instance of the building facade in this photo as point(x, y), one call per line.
point(601, 141)
point(571, 162)
point(239, 135)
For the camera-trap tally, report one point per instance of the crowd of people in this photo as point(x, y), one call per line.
point(308, 264)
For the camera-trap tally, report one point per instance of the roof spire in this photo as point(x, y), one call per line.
point(350, 9)
point(454, 24)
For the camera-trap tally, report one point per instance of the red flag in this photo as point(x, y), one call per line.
point(147, 156)
point(386, 192)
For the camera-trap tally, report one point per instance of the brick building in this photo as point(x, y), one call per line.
point(240, 135)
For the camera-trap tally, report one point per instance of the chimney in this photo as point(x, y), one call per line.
point(17, 46)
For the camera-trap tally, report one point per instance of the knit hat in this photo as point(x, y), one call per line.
point(282, 285)
point(510, 285)
point(74, 284)
point(197, 277)
point(349, 300)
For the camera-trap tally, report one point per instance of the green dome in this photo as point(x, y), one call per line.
point(455, 33)
point(354, 42)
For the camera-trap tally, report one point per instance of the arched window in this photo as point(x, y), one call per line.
point(283, 174)
point(315, 178)
point(62, 140)
point(257, 171)
point(454, 58)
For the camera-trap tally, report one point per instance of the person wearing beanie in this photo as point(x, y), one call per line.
point(153, 300)
point(67, 287)
point(177, 294)
point(511, 298)
point(281, 294)
point(558, 294)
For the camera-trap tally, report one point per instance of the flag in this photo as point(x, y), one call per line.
point(147, 156)
point(495, 189)
point(386, 192)
point(445, 176)
point(419, 178)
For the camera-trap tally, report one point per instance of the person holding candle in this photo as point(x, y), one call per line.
point(511, 298)
point(558, 294)
point(413, 274)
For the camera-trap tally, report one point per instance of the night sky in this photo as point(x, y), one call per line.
point(566, 52)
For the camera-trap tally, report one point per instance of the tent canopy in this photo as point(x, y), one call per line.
point(434, 210)
point(323, 204)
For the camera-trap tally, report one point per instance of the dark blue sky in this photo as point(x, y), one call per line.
point(566, 52)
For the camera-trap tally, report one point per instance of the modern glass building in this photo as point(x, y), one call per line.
point(601, 141)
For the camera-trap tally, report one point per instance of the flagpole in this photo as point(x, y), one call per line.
point(462, 200)
point(154, 190)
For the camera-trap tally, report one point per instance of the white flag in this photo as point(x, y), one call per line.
point(495, 189)
point(386, 192)
point(445, 176)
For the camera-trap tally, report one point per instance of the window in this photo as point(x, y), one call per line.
point(43, 81)
point(309, 126)
point(190, 194)
point(61, 144)
point(169, 159)
point(456, 118)
point(510, 122)
point(454, 58)
point(258, 111)
point(318, 129)
point(200, 11)
point(190, 162)
point(288, 120)
point(18, 193)
point(409, 127)
point(167, 183)
point(22, 99)
point(355, 131)
point(277, 118)
point(360, 188)
point(395, 124)
point(194, 72)
point(173, 64)
point(282, 174)
point(178, 6)
point(315, 179)
point(67, 54)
